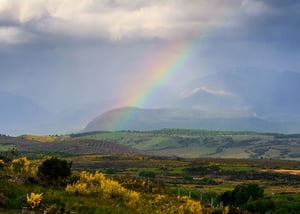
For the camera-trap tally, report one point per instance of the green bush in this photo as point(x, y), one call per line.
point(209, 181)
point(260, 206)
point(188, 178)
point(54, 170)
point(241, 194)
point(147, 174)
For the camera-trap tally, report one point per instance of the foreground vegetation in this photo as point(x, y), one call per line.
point(84, 192)
point(91, 173)
point(145, 184)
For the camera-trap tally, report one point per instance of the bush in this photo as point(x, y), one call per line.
point(98, 185)
point(147, 174)
point(54, 170)
point(208, 181)
point(260, 206)
point(188, 178)
point(241, 194)
point(22, 166)
point(5, 159)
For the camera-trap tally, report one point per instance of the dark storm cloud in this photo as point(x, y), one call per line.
point(277, 23)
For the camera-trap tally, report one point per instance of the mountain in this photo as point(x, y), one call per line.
point(268, 94)
point(151, 119)
point(18, 113)
point(249, 99)
point(71, 119)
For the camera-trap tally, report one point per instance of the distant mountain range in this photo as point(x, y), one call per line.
point(152, 119)
point(251, 100)
point(18, 112)
point(244, 99)
point(265, 93)
point(20, 115)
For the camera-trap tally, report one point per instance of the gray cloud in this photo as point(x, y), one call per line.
point(112, 20)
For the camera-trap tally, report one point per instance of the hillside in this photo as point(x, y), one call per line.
point(66, 146)
point(201, 143)
point(189, 143)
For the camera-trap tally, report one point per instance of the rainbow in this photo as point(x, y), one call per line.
point(163, 66)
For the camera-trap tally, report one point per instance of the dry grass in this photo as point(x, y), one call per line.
point(288, 171)
point(45, 139)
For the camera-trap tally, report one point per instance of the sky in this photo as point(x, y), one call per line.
point(64, 53)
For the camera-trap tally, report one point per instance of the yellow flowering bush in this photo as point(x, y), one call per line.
point(131, 198)
point(22, 166)
point(1, 163)
point(98, 184)
point(190, 206)
point(225, 210)
point(161, 204)
point(34, 200)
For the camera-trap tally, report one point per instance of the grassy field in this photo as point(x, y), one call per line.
point(172, 142)
point(201, 143)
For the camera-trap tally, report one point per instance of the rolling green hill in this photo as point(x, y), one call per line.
point(64, 145)
point(200, 143)
point(187, 143)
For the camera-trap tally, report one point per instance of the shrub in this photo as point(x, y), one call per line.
point(260, 206)
point(188, 178)
point(54, 170)
point(241, 194)
point(209, 181)
point(5, 159)
point(98, 185)
point(22, 166)
point(147, 174)
point(1, 163)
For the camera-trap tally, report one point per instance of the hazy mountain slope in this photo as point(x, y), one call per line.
point(152, 119)
point(266, 93)
point(18, 113)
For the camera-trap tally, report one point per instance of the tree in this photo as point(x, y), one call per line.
point(54, 170)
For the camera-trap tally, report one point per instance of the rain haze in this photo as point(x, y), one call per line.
point(62, 63)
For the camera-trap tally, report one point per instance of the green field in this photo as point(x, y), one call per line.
point(201, 143)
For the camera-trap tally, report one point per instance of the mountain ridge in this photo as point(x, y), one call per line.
point(152, 119)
